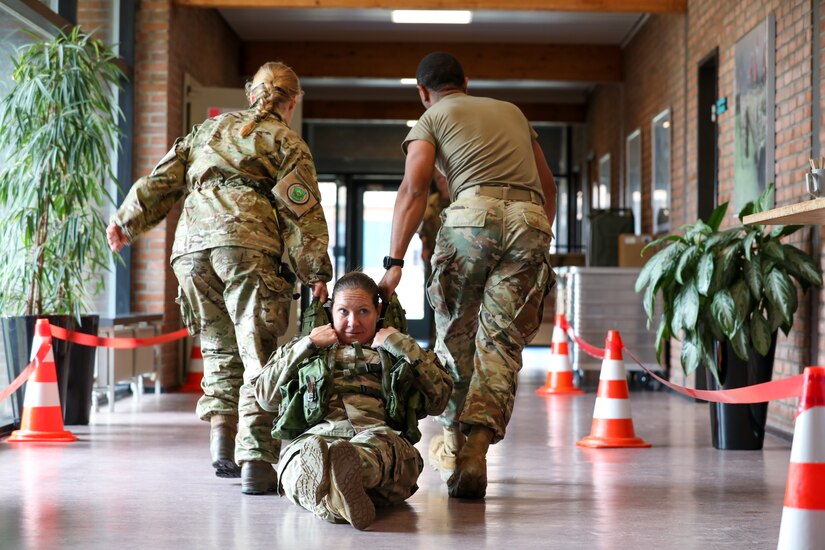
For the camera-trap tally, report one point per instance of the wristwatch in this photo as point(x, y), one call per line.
point(390, 261)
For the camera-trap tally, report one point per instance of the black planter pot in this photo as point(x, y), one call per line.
point(78, 406)
point(739, 427)
point(74, 364)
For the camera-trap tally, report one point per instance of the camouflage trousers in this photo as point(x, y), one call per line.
point(234, 299)
point(491, 272)
point(390, 468)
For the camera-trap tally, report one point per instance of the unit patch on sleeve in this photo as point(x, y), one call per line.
point(298, 194)
point(293, 194)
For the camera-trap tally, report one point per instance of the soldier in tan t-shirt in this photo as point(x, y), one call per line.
point(490, 266)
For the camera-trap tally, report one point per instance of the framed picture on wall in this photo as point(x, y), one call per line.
point(755, 71)
point(660, 169)
point(633, 178)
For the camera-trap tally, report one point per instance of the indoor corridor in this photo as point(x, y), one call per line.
point(140, 477)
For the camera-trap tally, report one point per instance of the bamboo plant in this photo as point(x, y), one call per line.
point(58, 127)
point(738, 284)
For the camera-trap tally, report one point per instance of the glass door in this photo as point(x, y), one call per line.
point(372, 225)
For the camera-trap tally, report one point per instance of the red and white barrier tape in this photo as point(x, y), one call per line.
point(758, 393)
point(89, 340)
point(118, 343)
point(27, 372)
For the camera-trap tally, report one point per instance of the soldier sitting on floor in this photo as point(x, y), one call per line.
point(350, 398)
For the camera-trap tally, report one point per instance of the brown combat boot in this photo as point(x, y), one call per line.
point(347, 496)
point(470, 477)
point(222, 445)
point(313, 484)
point(258, 478)
point(443, 451)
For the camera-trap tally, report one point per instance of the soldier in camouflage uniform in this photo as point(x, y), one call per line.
point(351, 460)
point(491, 268)
point(250, 192)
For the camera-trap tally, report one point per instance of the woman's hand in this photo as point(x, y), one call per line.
point(116, 237)
point(381, 335)
point(319, 290)
point(323, 337)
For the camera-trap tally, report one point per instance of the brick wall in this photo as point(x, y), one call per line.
point(605, 134)
point(661, 67)
point(171, 40)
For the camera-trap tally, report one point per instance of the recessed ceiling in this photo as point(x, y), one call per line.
point(487, 26)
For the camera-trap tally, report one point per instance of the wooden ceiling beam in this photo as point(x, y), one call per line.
point(573, 63)
point(627, 6)
point(411, 110)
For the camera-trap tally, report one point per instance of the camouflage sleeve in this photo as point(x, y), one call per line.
point(433, 380)
point(301, 218)
point(281, 367)
point(152, 197)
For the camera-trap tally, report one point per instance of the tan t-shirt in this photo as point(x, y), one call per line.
point(479, 140)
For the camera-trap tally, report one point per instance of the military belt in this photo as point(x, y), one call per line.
point(504, 193)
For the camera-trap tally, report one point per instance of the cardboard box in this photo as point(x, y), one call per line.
point(630, 249)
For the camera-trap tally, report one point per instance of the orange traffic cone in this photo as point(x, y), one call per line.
point(42, 415)
point(803, 517)
point(194, 374)
point(612, 424)
point(560, 375)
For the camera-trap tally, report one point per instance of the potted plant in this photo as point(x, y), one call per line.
point(725, 293)
point(58, 127)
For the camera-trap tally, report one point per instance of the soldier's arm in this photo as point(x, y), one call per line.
point(281, 367)
point(152, 197)
point(432, 379)
point(548, 184)
point(301, 218)
point(410, 204)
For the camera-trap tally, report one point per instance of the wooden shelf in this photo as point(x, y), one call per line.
point(810, 212)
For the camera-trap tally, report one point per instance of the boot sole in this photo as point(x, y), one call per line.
point(469, 484)
point(226, 468)
point(434, 458)
point(313, 485)
point(346, 475)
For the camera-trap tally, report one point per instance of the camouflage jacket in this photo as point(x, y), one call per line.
point(258, 192)
point(341, 390)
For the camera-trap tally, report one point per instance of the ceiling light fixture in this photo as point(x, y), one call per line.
point(432, 17)
point(411, 123)
point(409, 81)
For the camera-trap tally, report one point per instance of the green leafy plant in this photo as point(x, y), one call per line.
point(58, 127)
point(738, 284)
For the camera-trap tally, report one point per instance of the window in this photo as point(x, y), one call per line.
point(660, 155)
point(633, 178)
point(14, 29)
point(601, 190)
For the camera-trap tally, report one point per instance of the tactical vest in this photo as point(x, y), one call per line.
point(305, 399)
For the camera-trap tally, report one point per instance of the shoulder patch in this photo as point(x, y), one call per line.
point(298, 194)
point(294, 195)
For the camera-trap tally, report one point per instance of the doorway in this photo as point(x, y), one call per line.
point(707, 187)
point(707, 134)
point(370, 227)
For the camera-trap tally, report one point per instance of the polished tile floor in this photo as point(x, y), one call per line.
point(140, 478)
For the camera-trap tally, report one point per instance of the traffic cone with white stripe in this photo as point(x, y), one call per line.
point(612, 424)
point(42, 415)
point(803, 517)
point(194, 373)
point(560, 375)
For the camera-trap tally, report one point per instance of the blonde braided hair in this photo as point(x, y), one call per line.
point(273, 87)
